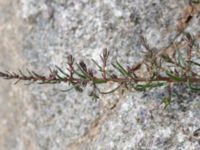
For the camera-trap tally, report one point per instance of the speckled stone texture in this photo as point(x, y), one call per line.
point(37, 34)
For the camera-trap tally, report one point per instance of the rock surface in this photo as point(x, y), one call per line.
point(38, 34)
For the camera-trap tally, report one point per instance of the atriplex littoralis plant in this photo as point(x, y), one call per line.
point(159, 70)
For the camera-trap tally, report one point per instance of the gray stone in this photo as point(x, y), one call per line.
point(40, 34)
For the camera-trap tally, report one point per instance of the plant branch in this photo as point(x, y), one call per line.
point(157, 73)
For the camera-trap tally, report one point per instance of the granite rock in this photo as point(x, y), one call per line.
point(40, 34)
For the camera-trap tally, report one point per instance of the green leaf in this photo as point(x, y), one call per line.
point(139, 87)
point(68, 89)
point(22, 74)
point(79, 74)
point(121, 69)
point(84, 73)
point(29, 72)
point(172, 76)
point(49, 82)
point(179, 58)
point(195, 63)
point(99, 81)
point(166, 101)
point(59, 77)
point(125, 71)
point(32, 73)
point(100, 68)
point(63, 72)
point(196, 89)
point(111, 91)
point(36, 75)
point(143, 87)
point(159, 84)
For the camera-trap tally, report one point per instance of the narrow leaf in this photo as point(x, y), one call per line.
point(166, 101)
point(100, 68)
point(79, 74)
point(84, 73)
point(197, 89)
point(179, 58)
point(36, 75)
point(59, 77)
point(121, 69)
point(63, 72)
point(125, 72)
point(172, 76)
point(111, 91)
point(68, 89)
point(99, 81)
point(143, 87)
point(195, 63)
